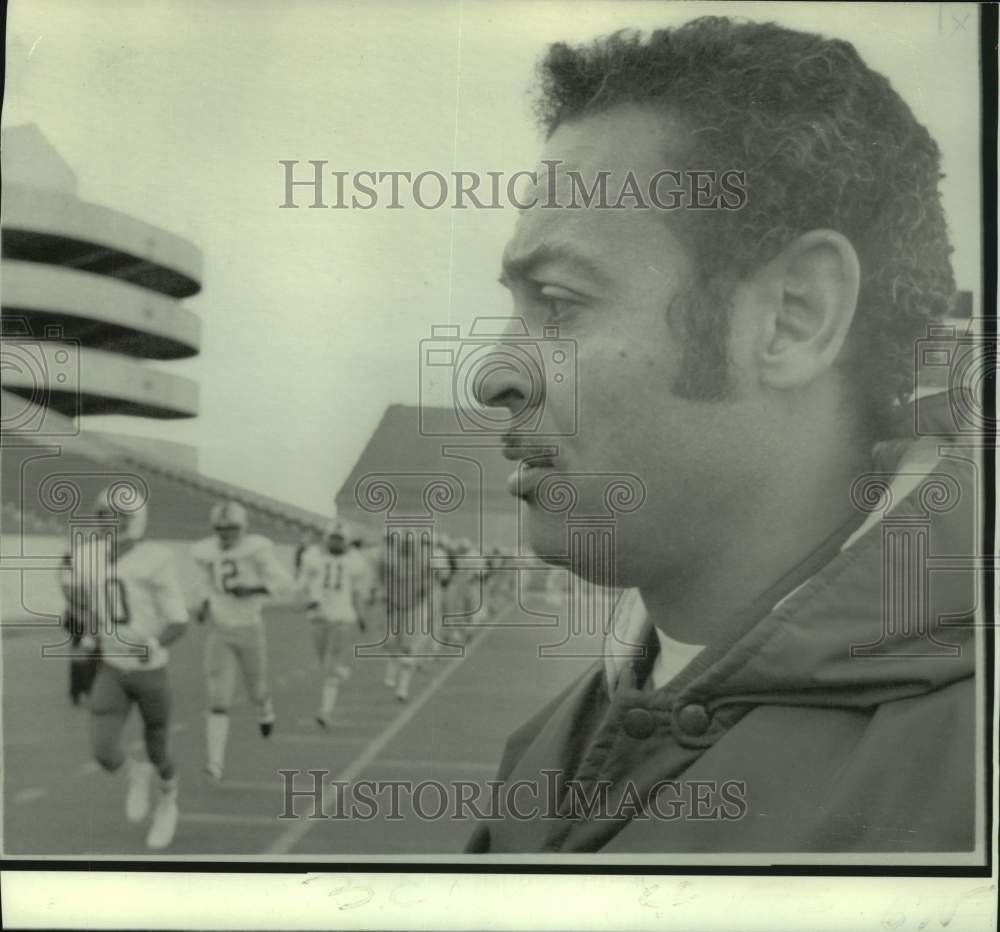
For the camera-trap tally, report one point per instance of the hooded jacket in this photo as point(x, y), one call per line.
point(838, 716)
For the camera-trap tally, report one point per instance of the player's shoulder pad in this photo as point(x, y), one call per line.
point(255, 545)
point(358, 558)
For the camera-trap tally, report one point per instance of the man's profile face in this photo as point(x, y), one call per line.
point(605, 278)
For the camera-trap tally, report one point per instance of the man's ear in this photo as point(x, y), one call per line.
point(813, 284)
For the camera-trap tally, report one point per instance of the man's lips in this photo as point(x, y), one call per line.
point(523, 481)
point(516, 450)
point(533, 461)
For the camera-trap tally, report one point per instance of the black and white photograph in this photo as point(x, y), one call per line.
point(501, 439)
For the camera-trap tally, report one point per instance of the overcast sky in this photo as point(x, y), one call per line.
point(179, 112)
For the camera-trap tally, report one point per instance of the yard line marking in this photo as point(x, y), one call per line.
point(397, 763)
point(90, 767)
point(295, 832)
point(30, 794)
point(219, 818)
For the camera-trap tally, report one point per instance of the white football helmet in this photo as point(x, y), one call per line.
point(335, 535)
point(125, 501)
point(229, 520)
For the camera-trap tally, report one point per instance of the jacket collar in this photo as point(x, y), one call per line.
point(843, 635)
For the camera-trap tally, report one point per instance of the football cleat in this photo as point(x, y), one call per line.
point(164, 824)
point(322, 721)
point(137, 797)
point(266, 721)
point(405, 678)
point(214, 771)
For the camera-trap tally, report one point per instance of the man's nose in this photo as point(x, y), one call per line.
point(506, 378)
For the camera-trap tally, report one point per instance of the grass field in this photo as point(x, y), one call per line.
point(58, 802)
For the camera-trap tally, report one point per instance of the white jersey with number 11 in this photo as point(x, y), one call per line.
point(333, 581)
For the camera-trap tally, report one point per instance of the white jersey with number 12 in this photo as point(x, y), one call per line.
point(251, 562)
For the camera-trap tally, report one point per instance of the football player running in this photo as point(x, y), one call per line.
point(409, 581)
point(369, 609)
point(242, 573)
point(310, 538)
point(497, 585)
point(335, 578)
point(128, 592)
point(460, 599)
point(84, 660)
point(443, 606)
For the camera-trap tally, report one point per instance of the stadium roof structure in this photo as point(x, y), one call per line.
point(90, 294)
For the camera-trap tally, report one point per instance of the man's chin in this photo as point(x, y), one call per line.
point(544, 533)
point(552, 540)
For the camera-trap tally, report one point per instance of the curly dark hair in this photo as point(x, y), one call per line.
point(825, 142)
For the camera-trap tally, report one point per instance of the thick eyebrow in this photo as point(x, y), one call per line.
point(520, 267)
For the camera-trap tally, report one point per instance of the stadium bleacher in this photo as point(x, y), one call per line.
point(180, 499)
